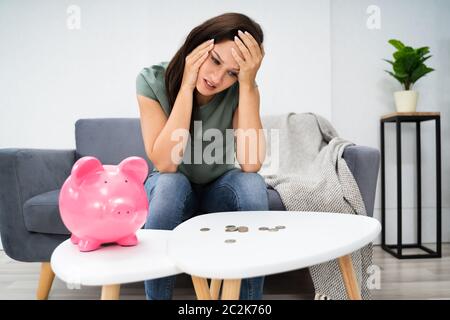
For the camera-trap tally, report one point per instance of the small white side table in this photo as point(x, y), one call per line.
point(309, 238)
point(114, 265)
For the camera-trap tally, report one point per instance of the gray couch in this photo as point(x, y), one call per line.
point(30, 180)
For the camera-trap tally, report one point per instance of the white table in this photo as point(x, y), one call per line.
point(113, 265)
point(309, 238)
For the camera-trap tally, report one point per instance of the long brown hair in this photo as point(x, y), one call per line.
point(220, 28)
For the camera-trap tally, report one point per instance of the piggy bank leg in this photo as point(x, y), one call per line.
point(88, 245)
point(74, 239)
point(128, 241)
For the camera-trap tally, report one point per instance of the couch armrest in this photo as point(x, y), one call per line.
point(25, 173)
point(364, 163)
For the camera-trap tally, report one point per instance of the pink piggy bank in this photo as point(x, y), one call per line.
point(104, 203)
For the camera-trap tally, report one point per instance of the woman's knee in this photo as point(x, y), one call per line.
point(171, 201)
point(166, 185)
point(173, 182)
point(251, 190)
point(249, 181)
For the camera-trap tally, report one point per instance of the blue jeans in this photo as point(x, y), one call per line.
point(174, 199)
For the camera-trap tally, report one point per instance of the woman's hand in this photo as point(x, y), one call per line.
point(193, 62)
point(253, 56)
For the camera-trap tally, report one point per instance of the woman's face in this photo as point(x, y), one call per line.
point(219, 68)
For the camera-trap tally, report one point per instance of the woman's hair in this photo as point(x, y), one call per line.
point(220, 28)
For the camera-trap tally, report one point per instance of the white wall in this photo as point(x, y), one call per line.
point(362, 92)
point(51, 76)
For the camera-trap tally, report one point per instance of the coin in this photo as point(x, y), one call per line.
point(232, 229)
point(205, 229)
point(230, 241)
point(273, 229)
point(230, 226)
point(280, 227)
point(263, 228)
point(243, 229)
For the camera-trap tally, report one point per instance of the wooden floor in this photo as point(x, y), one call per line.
point(400, 279)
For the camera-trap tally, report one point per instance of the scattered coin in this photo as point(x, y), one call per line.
point(280, 227)
point(205, 229)
point(263, 228)
point(230, 241)
point(232, 229)
point(243, 229)
point(230, 226)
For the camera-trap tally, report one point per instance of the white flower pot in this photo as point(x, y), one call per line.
point(406, 101)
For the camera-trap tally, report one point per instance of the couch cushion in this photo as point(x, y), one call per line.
point(41, 214)
point(110, 140)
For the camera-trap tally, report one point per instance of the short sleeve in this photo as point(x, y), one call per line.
point(150, 84)
point(146, 84)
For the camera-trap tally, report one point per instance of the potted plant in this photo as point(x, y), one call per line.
point(408, 67)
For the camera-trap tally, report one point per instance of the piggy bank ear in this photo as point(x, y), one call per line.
point(135, 167)
point(83, 167)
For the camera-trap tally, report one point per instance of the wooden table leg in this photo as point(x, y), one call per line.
point(231, 289)
point(45, 281)
point(111, 292)
point(215, 288)
point(349, 276)
point(201, 288)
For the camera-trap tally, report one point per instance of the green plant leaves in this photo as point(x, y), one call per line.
point(403, 52)
point(408, 65)
point(400, 79)
point(397, 44)
point(423, 51)
point(425, 59)
point(421, 71)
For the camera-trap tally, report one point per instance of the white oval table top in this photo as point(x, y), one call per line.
point(115, 264)
point(309, 238)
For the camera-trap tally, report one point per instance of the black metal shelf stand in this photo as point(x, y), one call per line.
point(397, 249)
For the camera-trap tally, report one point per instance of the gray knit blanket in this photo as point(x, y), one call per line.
point(311, 175)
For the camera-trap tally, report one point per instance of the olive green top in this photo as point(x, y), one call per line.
point(216, 114)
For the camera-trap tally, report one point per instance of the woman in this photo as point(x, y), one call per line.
point(208, 85)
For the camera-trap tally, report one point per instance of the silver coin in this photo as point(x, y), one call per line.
point(230, 226)
point(233, 229)
point(280, 227)
point(205, 229)
point(243, 229)
point(230, 241)
point(263, 228)
point(273, 229)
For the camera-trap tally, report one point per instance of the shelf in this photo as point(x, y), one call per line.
point(410, 116)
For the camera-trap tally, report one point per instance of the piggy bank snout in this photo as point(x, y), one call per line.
point(122, 210)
